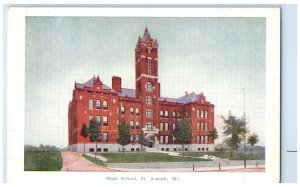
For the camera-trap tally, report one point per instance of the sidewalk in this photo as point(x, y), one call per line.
point(75, 162)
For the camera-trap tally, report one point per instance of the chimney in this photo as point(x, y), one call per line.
point(186, 93)
point(116, 84)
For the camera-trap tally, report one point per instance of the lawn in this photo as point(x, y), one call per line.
point(145, 157)
point(94, 160)
point(42, 161)
point(235, 156)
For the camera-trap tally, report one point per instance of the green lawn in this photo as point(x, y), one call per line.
point(235, 156)
point(42, 161)
point(94, 160)
point(145, 157)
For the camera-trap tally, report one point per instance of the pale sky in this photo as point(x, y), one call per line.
point(216, 56)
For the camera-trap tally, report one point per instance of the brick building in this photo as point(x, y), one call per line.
point(142, 108)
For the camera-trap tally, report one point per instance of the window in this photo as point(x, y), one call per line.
point(201, 127)
point(137, 111)
point(198, 113)
point(166, 139)
point(105, 122)
point(205, 114)
point(166, 126)
point(91, 149)
point(105, 105)
point(161, 127)
point(174, 126)
point(198, 126)
point(131, 111)
point(202, 139)
point(98, 104)
point(201, 113)
point(122, 110)
point(166, 114)
point(149, 65)
point(149, 50)
point(105, 150)
point(206, 127)
point(178, 114)
point(137, 137)
point(149, 113)
point(137, 149)
point(148, 100)
point(198, 139)
point(98, 120)
point(161, 113)
point(131, 138)
point(118, 122)
point(161, 139)
point(105, 137)
point(206, 139)
point(90, 118)
point(186, 114)
point(118, 110)
point(98, 149)
point(132, 149)
point(149, 87)
point(149, 125)
point(131, 125)
point(91, 103)
point(174, 114)
point(137, 125)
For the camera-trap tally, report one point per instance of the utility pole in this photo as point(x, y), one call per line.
point(244, 129)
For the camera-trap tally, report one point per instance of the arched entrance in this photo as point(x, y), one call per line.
point(152, 140)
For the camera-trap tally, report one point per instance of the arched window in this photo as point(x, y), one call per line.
point(122, 110)
point(137, 111)
point(205, 113)
point(98, 104)
point(91, 103)
point(174, 114)
point(161, 113)
point(105, 105)
point(149, 87)
point(198, 113)
point(166, 113)
point(131, 111)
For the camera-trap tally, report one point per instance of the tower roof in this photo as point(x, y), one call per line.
point(147, 37)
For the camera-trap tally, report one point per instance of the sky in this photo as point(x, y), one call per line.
point(216, 56)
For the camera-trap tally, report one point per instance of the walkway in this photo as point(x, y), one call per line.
point(73, 161)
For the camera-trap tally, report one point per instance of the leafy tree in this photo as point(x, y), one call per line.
point(84, 132)
point(213, 134)
point(124, 135)
point(234, 130)
point(183, 132)
point(252, 139)
point(142, 139)
point(94, 129)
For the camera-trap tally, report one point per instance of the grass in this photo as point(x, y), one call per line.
point(145, 157)
point(235, 156)
point(42, 161)
point(94, 160)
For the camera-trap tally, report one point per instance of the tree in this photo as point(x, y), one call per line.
point(84, 132)
point(124, 135)
point(142, 139)
point(212, 135)
point(234, 129)
point(183, 132)
point(252, 139)
point(94, 132)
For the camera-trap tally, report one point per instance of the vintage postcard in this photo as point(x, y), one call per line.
point(144, 95)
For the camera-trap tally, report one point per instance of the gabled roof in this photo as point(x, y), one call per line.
point(127, 92)
point(189, 98)
point(90, 84)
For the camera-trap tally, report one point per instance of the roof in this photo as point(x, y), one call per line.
point(90, 84)
point(188, 98)
point(127, 92)
point(147, 35)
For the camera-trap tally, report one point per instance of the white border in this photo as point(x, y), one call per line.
point(16, 97)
